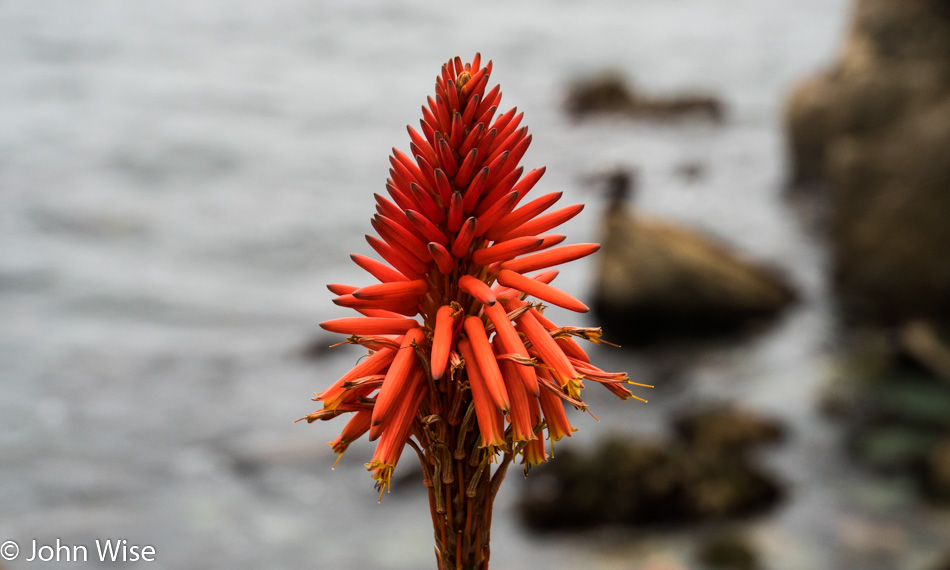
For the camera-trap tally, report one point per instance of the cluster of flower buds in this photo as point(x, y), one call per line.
point(455, 323)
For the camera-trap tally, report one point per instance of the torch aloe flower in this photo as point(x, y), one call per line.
point(463, 365)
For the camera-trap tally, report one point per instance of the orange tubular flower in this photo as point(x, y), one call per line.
point(463, 366)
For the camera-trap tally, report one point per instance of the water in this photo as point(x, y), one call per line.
point(179, 180)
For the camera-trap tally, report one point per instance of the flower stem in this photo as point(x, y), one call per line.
point(462, 509)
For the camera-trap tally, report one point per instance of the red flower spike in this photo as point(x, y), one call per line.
point(457, 131)
point(485, 360)
point(509, 293)
point(428, 128)
point(476, 189)
point(501, 122)
point(470, 107)
point(425, 227)
point(427, 170)
point(411, 167)
point(464, 239)
point(472, 138)
point(400, 239)
point(396, 378)
point(453, 94)
point(549, 240)
point(476, 63)
point(422, 144)
point(499, 189)
point(391, 291)
point(464, 174)
point(540, 290)
point(442, 340)
point(513, 344)
point(332, 396)
point(478, 289)
point(339, 289)
point(506, 250)
point(487, 140)
point(407, 306)
point(552, 408)
point(491, 216)
point(534, 453)
point(452, 245)
point(521, 427)
point(360, 325)
point(393, 441)
point(485, 410)
point(354, 429)
point(489, 101)
point(508, 144)
point(448, 161)
point(443, 259)
point(442, 184)
point(530, 179)
point(427, 203)
point(396, 259)
point(455, 214)
point(545, 347)
point(549, 257)
point(545, 222)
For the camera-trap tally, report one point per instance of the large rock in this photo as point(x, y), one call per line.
point(627, 481)
point(891, 208)
point(609, 94)
point(656, 279)
point(876, 128)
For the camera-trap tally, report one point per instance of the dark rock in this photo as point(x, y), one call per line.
point(608, 94)
point(921, 344)
point(935, 475)
point(876, 128)
point(943, 564)
point(890, 230)
point(657, 280)
point(728, 552)
point(727, 429)
point(641, 483)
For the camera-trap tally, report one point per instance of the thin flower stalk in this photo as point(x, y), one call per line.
point(462, 364)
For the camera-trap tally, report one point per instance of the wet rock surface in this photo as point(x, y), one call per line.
point(874, 128)
point(657, 280)
point(608, 94)
point(627, 481)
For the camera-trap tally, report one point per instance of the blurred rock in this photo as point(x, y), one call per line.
point(891, 205)
point(944, 563)
point(728, 552)
point(920, 342)
point(608, 94)
point(876, 127)
point(634, 482)
point(657, 280)
point(727, 429)
point(935, 475)
point(895, 411)
point(806, 125)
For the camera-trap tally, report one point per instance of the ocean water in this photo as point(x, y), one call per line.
point(179, 180)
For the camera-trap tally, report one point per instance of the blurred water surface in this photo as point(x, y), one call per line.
point(179, 180)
